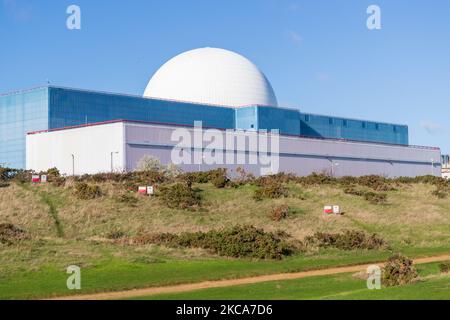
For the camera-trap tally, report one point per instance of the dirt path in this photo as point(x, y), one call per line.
point(233, 282)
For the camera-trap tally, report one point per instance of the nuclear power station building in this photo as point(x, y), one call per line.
point(82, 131)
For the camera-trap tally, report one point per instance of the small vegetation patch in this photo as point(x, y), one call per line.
point(269, 188)
point(445, 267)
point(115, 235)
point(441, 191)
point(127, 198)
point(398, 271)
point(279, 213)
point(4, 184)
point(179, 196)
point(84, 191)
point(348, 240)
point(236, 242)
point(370, 196)
point(10, 234)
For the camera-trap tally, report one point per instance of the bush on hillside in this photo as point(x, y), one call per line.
point(84, 191)
point(375, 198)
point(219, 178)
point(315, 179)
point(348, 240)
point(279, 213)
point(269, 188)
point(444, 267)
point(372, 197)
point(236, 242)
point(441, 192)
point(10, 234)
point(127, 198)
point(398, 271)
point(4, 185)
point(179, 196)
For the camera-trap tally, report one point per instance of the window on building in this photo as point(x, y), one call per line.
point(307, 118)
point(377, 126)
point(395, 128)
point(331, 121)
point(364, 125)
point(345, 123)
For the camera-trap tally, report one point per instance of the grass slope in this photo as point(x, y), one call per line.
point(68, 231)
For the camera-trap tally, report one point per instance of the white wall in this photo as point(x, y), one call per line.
point(91, 147)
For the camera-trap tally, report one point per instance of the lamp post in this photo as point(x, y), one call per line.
point(432, 166)
point(200, 164)
point(332, 167)
point(73, 164)
point(112, 160)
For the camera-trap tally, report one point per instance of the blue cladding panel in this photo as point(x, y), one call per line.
point(340, 128)
point(75, 107)
point(286, 120)
point(20, 113)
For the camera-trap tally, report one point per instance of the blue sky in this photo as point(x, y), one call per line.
point(318, 55)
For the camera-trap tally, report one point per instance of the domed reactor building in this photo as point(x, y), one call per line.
point(203, 104)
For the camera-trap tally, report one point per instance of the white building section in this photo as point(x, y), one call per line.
point(212, 76)
point(83, 150)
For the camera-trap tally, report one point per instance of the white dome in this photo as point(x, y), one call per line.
point(211, 76)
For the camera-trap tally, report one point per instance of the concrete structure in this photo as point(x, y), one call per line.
point(121, 144)
point(225, 91)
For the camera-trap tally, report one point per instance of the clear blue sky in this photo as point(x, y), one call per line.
point(318, 55)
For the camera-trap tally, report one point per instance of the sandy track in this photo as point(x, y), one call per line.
point(233, 282)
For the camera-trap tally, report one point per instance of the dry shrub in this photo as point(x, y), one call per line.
point(84, 191)
point(377, 183)
point(10, 234)
point(375, 198)
point(372, 197)
point(444, 267)
point(127, 198)
point(348, 240)
point(269, 188)
point(236, 242)
point(4, 185)
point(279, 213)
point(219, 178)
point(179, 196)
point(317, 179)
point(441, 191)
point(115, 235)
point(398, 271)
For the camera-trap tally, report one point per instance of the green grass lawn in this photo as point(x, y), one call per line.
point(111, 271)
point(432, 285)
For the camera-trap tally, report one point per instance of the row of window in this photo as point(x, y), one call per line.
point(332, 121)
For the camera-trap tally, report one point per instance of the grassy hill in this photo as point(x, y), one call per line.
point(63, 229)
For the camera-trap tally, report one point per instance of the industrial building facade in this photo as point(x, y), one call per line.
point(50, 108)
point(84, 149)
